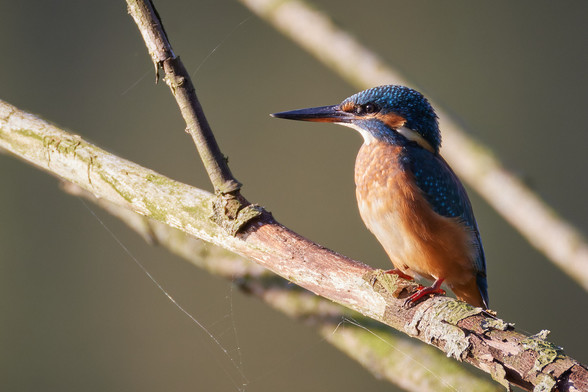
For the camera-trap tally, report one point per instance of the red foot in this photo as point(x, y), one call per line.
point(396, 271)
point(423, 291)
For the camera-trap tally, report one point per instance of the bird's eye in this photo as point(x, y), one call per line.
point(367, 108)
point(370, 108)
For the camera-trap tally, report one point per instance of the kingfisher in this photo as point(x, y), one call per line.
point(408, 196)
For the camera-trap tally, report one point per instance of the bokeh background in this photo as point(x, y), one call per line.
point(79, 314)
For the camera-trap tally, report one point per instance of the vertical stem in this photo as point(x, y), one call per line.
point(178, 79)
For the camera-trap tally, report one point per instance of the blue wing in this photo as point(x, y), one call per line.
point(447, 197)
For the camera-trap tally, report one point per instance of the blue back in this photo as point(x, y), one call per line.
point(447, 197)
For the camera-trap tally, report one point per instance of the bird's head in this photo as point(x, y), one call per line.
point(388, 113)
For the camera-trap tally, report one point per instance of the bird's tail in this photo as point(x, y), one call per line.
point(472, 293)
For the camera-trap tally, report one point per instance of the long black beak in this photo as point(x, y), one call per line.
point(332, 114)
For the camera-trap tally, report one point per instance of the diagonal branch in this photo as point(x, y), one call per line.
point(562, 243)
point(387, 354)
point(459, 330)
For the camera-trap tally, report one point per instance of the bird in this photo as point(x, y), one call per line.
point(408, 195)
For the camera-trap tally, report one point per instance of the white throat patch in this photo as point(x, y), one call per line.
point(404, 131)
point(415, 137)
point(367, 136)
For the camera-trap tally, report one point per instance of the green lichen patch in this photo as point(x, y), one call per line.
point(159, 179)
point(199, 212)
point(455, 311)
point(546, 352)
point(28, 133)
point(490, 324)
point(387, 284)
point(63, 145)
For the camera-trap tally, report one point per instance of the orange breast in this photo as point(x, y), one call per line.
point(417, 239)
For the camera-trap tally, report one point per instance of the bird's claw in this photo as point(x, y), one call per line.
point(420, 293)
point(399, 273)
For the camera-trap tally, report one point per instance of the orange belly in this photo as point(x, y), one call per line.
point(419, 241)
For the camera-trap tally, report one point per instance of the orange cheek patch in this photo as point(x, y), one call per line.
point(347, 107)
point(392, 120)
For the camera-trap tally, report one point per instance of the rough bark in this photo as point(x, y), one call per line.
point(386, 353)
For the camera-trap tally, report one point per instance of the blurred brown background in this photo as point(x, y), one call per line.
point(77, 312)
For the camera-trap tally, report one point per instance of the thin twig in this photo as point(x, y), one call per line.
point(563, 244)
point(178, 80)
point(458, 329)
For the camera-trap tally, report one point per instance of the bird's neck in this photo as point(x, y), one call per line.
point(373, 132)
point(415, 137)
point(376, 132)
